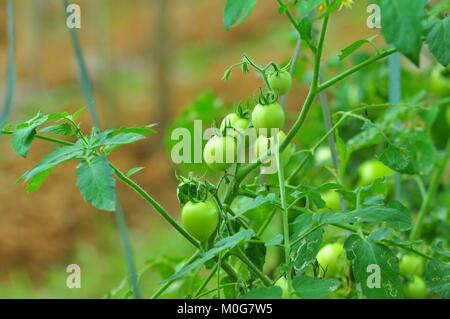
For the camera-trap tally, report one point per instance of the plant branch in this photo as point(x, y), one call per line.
point(355, 69)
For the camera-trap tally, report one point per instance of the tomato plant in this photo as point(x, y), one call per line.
point(357, 206)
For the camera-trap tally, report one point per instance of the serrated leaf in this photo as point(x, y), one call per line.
point(401, 22)
point(256, 252)
point(236, 11)
point(134, 171)
point(304, 252)
point(54, 158)
point(397, 158)
point(375, 268)
point(251, 204)
point(355, 46)
point(439, 41)
point(313, 288)
point(36, 181)
point(96, 182)
point(24, 135)
point(143, 130)
point(437, 277)
point(275, 241)
point(274, 292)
point(396, 217)
point(220, 246)
point(61, 129)
point(422, 152)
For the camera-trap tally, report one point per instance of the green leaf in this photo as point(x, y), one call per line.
point(305, 27)
point(256, 252)
point(438, 247)
point(439, 41)
point(220, 246)
point(372, 214)
point(96, 182)
point(253, 203)
point(118, 139)
point(143, 130)
point(275, 241)
point(36, 181)
point(401, 22)
point(313, 288)
point(437, 278)
point(397, 158)
point(304, 253)
point(134, 171)
point(421, 149)
point(54, 158)
point(24, 135)
point(236, 11)
point(375, 268)
point(61, 129)
point(355, 46)
point(274, 292)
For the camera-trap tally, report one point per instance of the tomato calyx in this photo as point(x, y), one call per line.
point(192, 190)
point(267, 98)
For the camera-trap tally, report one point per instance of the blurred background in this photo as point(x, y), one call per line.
point(148, 60)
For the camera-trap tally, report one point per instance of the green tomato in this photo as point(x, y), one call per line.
point(331, 199)
point(440, 81)
point(240, 125)
point(220, 152)
point(327, 257)
point(283, 284)
point(267, 117)
point(353, 95)
point(233, 120)
point(200, 219)
point(322, 155)
point(411, 265)
point(280, 81)
point(265, 145)
point(415, 289)
point(371, 170)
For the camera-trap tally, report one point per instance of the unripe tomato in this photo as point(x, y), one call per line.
point(220, 152)
point(322, 155)
point(266, 145)
point(280, 81)
point(411, 265)
point(283, 284)
point(200, 219)
point(371, 170)
point(331, 199)
point(233, 120)
point(270, 116)
point(327, 257)
point(415, 289)
point(440, 81)
point(353, 95)
point(240, 126)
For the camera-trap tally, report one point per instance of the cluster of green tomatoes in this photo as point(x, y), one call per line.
point(200, 217)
